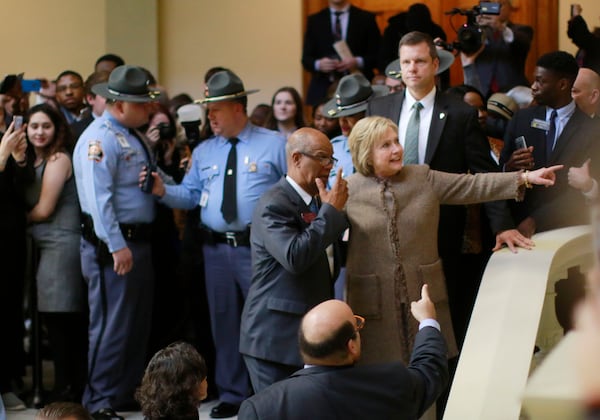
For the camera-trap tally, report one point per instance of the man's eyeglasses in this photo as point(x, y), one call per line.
point(322, 159)
point(360, 322)
point(72, 86)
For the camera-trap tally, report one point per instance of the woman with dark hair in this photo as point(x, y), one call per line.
point(174, 384)
point(162, 133)
point(54, 225)
point(287, 111)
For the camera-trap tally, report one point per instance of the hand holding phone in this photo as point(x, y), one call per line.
point(520, 143)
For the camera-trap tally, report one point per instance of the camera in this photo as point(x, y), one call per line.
point(148, 182)
point(470, 36)
point(165, 131)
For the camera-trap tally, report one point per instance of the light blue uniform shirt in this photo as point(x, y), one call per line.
point(261, 162)
point(107, 162)
point(341, 152)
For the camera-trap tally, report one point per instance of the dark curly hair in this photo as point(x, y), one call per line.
point(170, 385)
point(62, 134)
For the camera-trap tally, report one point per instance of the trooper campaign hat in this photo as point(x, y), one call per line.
point(446, 59)
point(127, 83)
point(224, 86)
point(503, 105)
point(351, 96)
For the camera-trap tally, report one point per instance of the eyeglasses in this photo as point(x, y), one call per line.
point(322, 159)
point(72, 86)
point(360, 322)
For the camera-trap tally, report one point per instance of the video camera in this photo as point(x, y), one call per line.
point(470, 36)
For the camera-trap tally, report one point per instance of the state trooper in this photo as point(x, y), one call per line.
point(115, 245)
point(229, 172)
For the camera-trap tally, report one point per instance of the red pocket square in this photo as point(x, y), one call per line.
point(308, 217)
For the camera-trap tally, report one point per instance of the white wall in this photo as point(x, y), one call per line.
point(591, 14)
point(179, 40)
point(260, 40)
point(43, 38)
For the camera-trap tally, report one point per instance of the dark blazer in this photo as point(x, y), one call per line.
point(78, 127)
point(290, 272)
point(363, 38)
point(455, 144)
point(383, 391)
point(560, 205)
point(504, 61)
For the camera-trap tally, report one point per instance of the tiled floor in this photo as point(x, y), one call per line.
point(30, 413)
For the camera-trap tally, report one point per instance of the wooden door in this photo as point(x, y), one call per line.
point(542, 15)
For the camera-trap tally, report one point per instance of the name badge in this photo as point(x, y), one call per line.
point(204, 199)
point(122, 140)
point(540, 124)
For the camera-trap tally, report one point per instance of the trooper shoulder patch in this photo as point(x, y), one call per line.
point(95, 152)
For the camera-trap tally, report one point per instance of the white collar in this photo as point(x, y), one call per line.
point(342, 11)
point(427, 101)
point(306, 197)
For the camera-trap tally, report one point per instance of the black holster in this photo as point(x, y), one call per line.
point(103, 255)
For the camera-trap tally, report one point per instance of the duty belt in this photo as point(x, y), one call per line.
point(234, 239)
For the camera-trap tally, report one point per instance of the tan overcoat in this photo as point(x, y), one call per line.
point(393, 250)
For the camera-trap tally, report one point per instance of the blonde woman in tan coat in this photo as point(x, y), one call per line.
point(393, 211)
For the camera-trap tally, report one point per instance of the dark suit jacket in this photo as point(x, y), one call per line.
point(384, 391)
point(560, 205)
point(78, 127)
point(290, 272)
point(504, 61)
point(363, 38)
point(455, 144)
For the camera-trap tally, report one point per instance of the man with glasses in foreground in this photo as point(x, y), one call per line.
point(293, 225)
point(332, 386)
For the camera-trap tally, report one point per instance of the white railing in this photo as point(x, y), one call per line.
point(513, 313)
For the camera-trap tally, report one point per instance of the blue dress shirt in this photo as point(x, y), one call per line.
point(341, 152)
point(261, 162)
point(107, 163)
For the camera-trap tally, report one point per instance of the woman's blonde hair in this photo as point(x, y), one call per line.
point(362, 139)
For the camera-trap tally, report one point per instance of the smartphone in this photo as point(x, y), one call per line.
point(18, 120)
point(31, 85)
point(520, 143)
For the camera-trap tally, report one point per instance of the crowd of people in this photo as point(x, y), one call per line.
point(139, 226)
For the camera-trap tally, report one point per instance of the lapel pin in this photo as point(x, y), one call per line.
point(442, 115)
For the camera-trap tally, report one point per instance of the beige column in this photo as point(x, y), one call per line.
point(132, 32)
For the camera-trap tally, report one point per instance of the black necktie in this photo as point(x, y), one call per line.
point(337, 30)
point(229, 205)
point(550, 135)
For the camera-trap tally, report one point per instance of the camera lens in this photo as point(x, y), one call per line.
point(166, 131)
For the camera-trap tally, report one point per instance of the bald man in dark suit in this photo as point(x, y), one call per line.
point(331, 386)
point(293, 224)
